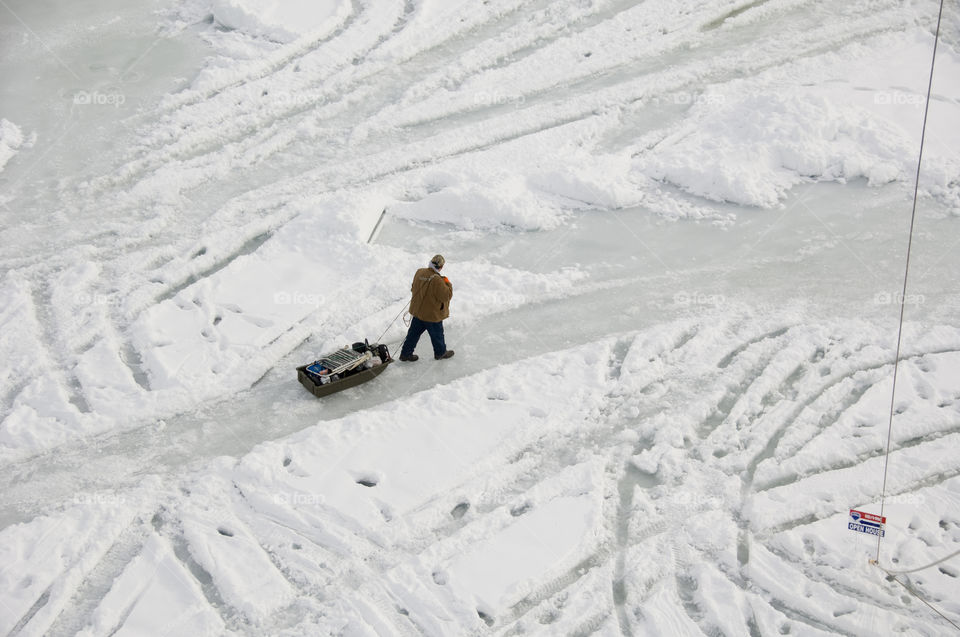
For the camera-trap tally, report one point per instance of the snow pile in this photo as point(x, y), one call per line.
point(11, 140)
point(837, 117)
point(519, 196)
point(753, 150)
point(472, 205)
point(280, 20)
point(589, 181)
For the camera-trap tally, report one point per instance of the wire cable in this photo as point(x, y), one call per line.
point(910, 590)
point(919, 568)
point(892, 574)
point(906, 274)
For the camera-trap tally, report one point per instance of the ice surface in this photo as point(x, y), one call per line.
point(676, 232)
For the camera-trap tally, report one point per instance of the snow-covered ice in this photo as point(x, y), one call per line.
point(677, 234)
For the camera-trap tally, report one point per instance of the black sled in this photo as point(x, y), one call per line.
point(344, 368)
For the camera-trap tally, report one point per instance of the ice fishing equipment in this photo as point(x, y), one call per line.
point(344, 368)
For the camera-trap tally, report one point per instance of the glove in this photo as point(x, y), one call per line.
point(447, 280)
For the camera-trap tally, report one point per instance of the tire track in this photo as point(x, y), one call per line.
point(284, 57)
point(99, 581)
point(335, 90)
point(875, 373)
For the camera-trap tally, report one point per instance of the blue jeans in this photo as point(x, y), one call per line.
point(417, 327)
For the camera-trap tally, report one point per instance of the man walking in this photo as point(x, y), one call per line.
point(429, 305)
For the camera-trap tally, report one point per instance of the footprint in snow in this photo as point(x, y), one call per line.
point(520, 509)
point(294, 470)
point(487, 619)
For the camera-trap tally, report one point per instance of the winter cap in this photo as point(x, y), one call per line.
point(438, 260)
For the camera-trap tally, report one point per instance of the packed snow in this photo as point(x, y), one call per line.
point(677, 234)
point(281, 20)
point(11, 140)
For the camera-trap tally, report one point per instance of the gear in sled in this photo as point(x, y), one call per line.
point(344, 368)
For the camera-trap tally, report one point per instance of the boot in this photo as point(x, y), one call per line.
point(409, 359)
point(446, 354)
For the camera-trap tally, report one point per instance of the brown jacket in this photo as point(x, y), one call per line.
point(431, 295)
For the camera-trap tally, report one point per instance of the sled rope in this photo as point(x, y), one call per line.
point(402, 310)
point(406, 319)
point(906, 273)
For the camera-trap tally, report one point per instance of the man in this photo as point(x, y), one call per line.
point(430, 304)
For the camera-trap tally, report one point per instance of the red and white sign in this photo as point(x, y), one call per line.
point(869, 517)
point(864, 522)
